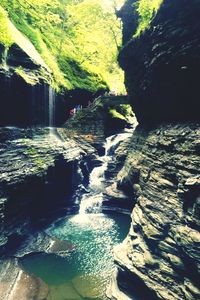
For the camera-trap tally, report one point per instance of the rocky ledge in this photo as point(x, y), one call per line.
point(39, 173)
point(107, 115)
point(160, 258)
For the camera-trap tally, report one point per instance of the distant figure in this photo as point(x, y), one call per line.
point(72, 112)
point(112, 93)
point(78, 107)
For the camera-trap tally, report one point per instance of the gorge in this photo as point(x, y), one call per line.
point(75, 163)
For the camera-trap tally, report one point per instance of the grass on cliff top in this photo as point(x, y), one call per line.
point(78, 40)
point(146, 10)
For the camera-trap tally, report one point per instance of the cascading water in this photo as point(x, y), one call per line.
point(4, 60)
point(91, 202)
point(85, 270)
point(51, 107)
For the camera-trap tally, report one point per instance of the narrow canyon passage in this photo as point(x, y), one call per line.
point(99, 150)
point(72, 258)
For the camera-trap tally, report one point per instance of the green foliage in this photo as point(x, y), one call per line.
point(146, 10)
point(78, 40)
point(115, 114)
point(5, 35)
point(123, 112)
point(30, 78)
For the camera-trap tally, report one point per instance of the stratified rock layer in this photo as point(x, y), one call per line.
point(160, 258)
point(162, 66)
point(39, 173)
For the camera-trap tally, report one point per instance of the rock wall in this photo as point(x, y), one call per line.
point(25, 86)
point(105, 116)
point(162, 65)
point(163, 246)
point(39, 173)
point(160, 258)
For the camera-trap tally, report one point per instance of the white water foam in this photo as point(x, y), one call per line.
point(91, 202)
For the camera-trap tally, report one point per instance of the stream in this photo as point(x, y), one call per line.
point(83, 272)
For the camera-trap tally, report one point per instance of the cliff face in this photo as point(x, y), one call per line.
point(35, 166)
point(24, 83)
point(162, 248)
point(159, 259)
point(162, 65)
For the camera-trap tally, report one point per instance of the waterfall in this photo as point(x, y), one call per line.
point(4, 60)
point(91, 202)
point(51, 107)
point(33, 105)
point(42, 107)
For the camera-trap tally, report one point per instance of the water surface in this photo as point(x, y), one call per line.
point(85, 272)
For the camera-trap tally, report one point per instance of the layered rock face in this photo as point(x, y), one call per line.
point(106, 116)
point(162, 65)
point(160, 258)
point(39, 173)
point(161, 252)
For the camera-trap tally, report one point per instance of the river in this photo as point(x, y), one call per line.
point(85, 270)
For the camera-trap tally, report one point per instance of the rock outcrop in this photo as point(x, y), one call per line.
point(24, 83)
point(107, 115)
point(25, 86)
point(160, 258)
point(39, 173)
point(161, 252)
point(162, 64)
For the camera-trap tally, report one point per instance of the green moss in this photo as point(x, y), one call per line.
point(35, 37)
point(5, 34)
point(34, 155)
point(80, 77)
point(115, 114)
point(126, 110)
point(30, 152)
point(146, 10)
point(31, 78)
point(70, 36)
point(123, 112)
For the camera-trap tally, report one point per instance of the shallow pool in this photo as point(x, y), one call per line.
point(85, 272)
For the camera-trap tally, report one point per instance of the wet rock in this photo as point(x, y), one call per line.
point(116, 198)
point(162, 249)
point(25, 82)
point(161, 253)
point(43, 243)
point(15, 282)
point(39, 173)
point(61, 247)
